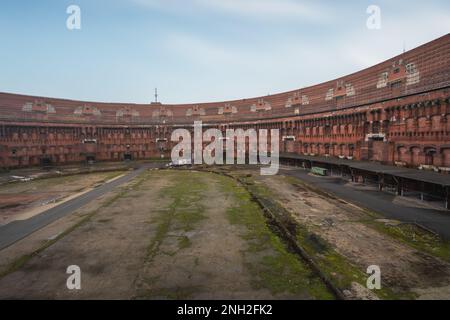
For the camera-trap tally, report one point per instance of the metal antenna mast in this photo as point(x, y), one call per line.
point(156, 95)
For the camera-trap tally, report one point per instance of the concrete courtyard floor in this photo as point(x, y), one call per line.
point(171, 234)
point(165, 235)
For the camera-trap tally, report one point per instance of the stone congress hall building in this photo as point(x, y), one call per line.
point(396, 113)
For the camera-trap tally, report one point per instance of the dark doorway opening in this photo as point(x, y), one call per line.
point(429, 157)
point(127, 157)
point(90, 159)
point(46, 162)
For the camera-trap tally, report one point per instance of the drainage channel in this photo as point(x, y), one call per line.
point(285, 234)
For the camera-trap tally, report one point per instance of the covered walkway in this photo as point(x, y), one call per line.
point(427, 185)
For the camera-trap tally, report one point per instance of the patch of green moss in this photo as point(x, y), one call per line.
point(269, 260)
point(177, 293)
point(184, 211)
point(338, 269)
point(21, 261)
point(408, 234)
point(415, 237)
point(184, 242)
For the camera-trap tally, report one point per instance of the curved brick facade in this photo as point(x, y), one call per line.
point(396, 112)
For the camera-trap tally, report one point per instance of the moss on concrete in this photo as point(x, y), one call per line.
point(271, 263)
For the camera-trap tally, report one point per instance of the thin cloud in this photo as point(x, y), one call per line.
point(198, 50)
point(267, 8)
point(399, 32)
point(255, 9)
point(284, 65)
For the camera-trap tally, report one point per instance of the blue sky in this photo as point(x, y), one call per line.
point(200, 50)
